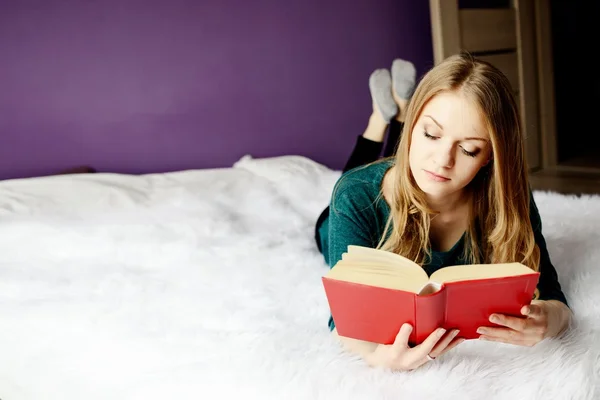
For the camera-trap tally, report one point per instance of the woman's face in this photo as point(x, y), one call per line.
point(449, 145)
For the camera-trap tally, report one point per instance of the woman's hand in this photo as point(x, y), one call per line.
point(543, 319)
point(399, 356)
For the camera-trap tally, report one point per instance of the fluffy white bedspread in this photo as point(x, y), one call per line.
point(205, 284)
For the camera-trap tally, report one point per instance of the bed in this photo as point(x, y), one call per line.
point(205, 284)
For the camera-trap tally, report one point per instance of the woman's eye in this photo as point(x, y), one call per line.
point(428, 136)
point(465, 152)
point(469, 153)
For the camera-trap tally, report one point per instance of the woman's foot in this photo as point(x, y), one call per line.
point(404, 77)
point(380, 86)
point(384, 106)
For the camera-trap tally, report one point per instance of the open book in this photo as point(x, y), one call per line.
point(372, 292)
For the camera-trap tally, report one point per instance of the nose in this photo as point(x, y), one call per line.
point(444, 157)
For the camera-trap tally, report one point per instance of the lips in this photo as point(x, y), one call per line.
point(436, 177)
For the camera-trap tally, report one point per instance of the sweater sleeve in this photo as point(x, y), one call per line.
point(548, 285)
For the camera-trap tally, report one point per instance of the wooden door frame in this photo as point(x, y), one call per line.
point(536, 90)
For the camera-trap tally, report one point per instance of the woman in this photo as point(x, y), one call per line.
point(456, 192)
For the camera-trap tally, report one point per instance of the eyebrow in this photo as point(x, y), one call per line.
point(442, 128)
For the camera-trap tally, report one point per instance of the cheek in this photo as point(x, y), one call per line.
point(411, 160)
point(470, 168)
point(418, 147)
point(415, 154)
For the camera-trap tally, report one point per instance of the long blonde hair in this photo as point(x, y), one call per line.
point(499, 229)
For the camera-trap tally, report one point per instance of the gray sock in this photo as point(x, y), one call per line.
point(403, 77)
point(380, 85)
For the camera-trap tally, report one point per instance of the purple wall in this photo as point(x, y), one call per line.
point(137, 86)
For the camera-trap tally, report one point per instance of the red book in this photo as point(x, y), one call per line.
point(371, 293)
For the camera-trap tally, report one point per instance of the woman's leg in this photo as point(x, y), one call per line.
point(403, 84)
point(368, 146)
point(393, 137)
point(389, 93)
point(395, 130)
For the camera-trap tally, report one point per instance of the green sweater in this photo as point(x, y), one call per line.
point(358, 216)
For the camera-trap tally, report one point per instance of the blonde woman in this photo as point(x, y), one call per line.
point(456, 191)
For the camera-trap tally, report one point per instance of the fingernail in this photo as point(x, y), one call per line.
point(480, 330)
point(493, 318)
point(482, 338)
point(455, 332)
point(441, 332)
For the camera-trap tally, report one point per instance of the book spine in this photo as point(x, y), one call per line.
point(430, 314)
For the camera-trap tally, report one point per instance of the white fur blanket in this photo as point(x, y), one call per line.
point(206, 284)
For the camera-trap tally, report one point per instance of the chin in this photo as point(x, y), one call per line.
point(428, 187)
point(435, 192)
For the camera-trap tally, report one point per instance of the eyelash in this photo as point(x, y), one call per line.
point(467, 153)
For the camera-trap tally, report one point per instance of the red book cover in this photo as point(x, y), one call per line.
point(376, 314)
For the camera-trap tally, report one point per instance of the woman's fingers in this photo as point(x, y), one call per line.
point(428, 344)
point(534, 310)
point(455, 342)
point(444, 343)
point(401, 341)
point(399, 355)
point(518, 324)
